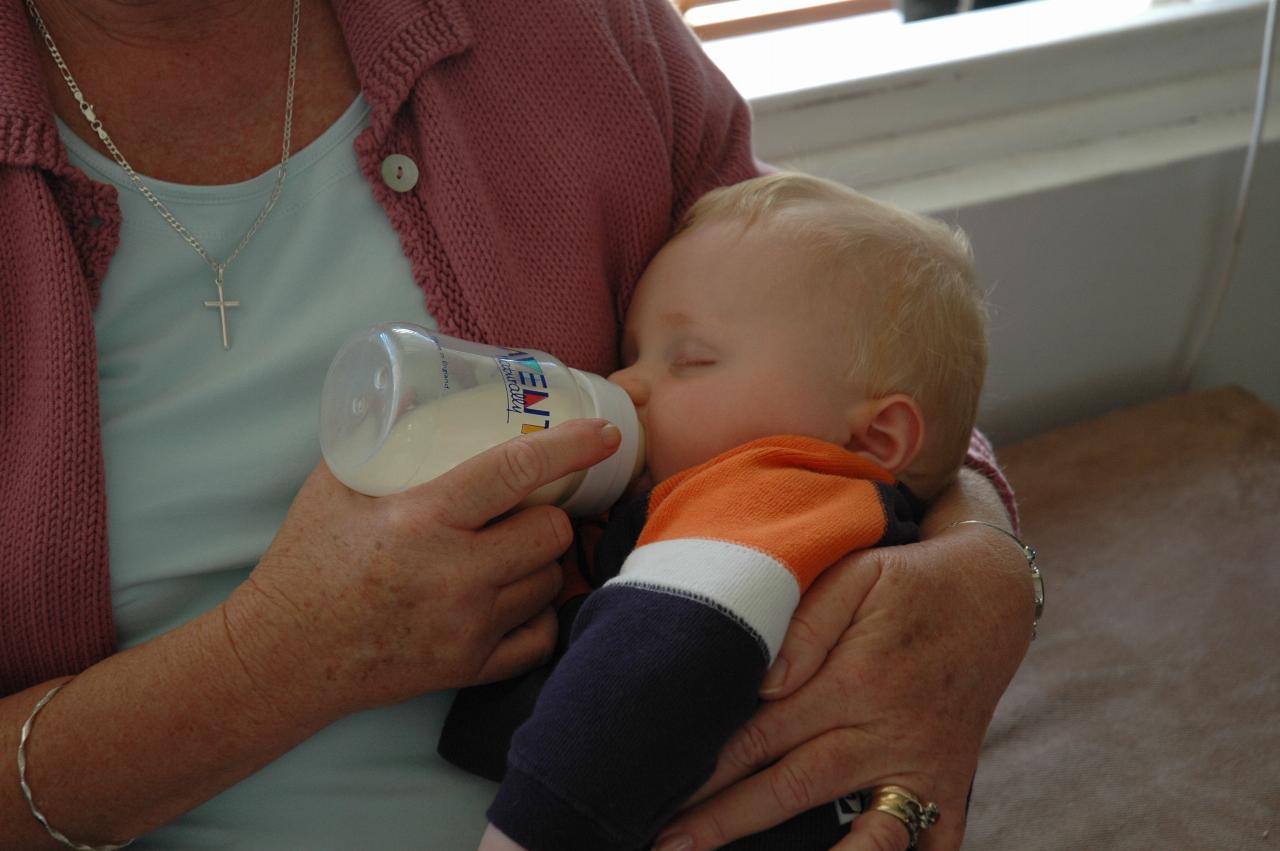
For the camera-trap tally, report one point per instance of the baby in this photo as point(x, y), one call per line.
point(806, 362)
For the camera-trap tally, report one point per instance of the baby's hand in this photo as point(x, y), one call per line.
point(496, 840)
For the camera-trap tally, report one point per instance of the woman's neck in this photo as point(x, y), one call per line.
point(140, 22)
point(193, 92)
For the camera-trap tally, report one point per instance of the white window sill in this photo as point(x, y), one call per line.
point(970, 108)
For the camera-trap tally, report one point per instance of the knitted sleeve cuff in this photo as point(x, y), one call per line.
point(982, 458)
point(532, 814)
point(629, 723)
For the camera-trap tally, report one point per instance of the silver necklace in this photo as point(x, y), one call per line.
point(219, 268)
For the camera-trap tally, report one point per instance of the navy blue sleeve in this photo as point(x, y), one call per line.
point(630, 723)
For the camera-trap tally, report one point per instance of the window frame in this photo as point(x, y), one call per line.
point(800, 13)
point(1039, 108)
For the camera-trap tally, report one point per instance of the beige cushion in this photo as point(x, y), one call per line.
point(1147, 714)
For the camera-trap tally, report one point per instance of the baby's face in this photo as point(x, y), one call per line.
point(721, 347)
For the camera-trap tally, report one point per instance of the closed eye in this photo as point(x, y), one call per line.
point(692, 364)
point(691, 354)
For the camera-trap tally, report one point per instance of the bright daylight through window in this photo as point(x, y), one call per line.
point(712, 19)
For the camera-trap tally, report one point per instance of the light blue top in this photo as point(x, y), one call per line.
point(205, 449)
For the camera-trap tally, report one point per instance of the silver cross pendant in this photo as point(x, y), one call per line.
point(222, 304)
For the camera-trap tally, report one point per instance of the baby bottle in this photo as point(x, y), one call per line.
point(402, 404)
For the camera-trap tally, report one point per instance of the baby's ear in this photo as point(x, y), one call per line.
point(888, 430)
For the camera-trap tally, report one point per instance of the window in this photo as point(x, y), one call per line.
point(964, 108)
point(712, 19)
point(838, 51)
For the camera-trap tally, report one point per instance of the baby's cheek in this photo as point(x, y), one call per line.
point(664, 450)
point(698, 443)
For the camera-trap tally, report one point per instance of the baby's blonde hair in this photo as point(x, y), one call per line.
point(915, 317)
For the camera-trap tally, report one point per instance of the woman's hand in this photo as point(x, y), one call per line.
point(360, 602)
point(889, 673)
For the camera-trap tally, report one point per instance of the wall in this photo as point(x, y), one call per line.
point(1245, 346)
point(1095, 287)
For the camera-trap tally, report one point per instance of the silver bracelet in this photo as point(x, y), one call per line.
point(26, 789)
point(1037, 582)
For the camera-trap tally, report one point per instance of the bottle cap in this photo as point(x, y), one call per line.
point(604, 483)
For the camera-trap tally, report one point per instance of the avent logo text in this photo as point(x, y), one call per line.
point(527, 391)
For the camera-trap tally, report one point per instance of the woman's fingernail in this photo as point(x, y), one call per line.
point(674, 843)
point(611, 433)
point(775, 678)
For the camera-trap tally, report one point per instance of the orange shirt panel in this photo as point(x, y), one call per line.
point(803, 501)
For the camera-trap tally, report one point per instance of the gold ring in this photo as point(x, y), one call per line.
point(905, 806)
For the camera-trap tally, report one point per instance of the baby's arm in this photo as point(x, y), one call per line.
point(666, 659)
point(496, 840)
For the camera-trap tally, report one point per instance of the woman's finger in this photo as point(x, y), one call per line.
point(519, 601)
point(523, 543)
point(821, 771)
point(498, 479)
point(814, 773)
point(875, 831)
point(822, 617)
point(947, 832)
point(779, 726)
point(525, 647)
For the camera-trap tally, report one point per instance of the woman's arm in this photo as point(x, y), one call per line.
point(890, 673)
point(357, 603)
point(140, 737)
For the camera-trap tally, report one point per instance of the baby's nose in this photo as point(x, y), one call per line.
point(634, 386)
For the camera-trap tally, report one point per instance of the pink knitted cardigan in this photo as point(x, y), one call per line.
point(557, 144)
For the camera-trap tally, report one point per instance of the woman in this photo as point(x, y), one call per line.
point(266, 667)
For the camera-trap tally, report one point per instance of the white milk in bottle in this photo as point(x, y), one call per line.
point(402, 404)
